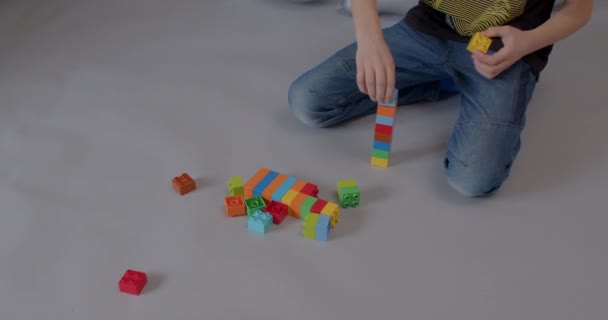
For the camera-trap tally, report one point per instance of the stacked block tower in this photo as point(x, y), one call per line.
point(268, 190)
point(383, 132)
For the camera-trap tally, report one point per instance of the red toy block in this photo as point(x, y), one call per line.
point(278, 211)
point(184, 184)
point(318, 206)
point(235, 206)
point(310, 189)
point(133, 282)
point(381, 128)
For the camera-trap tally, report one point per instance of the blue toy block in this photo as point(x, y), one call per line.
point(322, 228)
point(259, 222)
point(379, 145)
point(387, 121)
point(260, 187)
point(282, 190)
point(392, 103)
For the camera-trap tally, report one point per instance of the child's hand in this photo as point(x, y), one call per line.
point(516, 45)
point(376, 70)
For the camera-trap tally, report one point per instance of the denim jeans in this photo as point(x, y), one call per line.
point(486, 137)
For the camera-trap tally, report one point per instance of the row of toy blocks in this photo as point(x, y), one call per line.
point(296, 194)
point(316, 227)
point(273, 185)
point(348, 193)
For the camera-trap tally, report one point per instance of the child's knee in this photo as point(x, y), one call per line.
point(305, 104)
point(475, 181)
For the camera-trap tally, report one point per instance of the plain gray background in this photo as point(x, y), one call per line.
point(105, 101)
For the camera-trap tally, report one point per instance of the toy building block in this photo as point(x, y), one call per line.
point(322, 228)
point(479, 42)
point(282, 190)
point(318, 206)
point(288, 199)
point(277, 210)
point(310, 189)
point(253, 204)
point(235, 206)
point(266, 181)
point(183, 184)
point(133, 282)
point(349, 193)
point(309, 226)
point(259, 221)
point(268, 191)
point(254, 181)
point(296, 205)
point(235, 186)
point(383, 131)
point(331, 210)
point(306, 207)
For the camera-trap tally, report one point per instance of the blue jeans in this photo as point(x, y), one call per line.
point(487, 135)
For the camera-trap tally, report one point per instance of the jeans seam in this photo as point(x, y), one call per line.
point(495, 124)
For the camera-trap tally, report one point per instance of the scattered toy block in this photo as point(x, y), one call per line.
point(348, 193)
point(479, 42)
point(273, 186)
point(253, 181)
point(133, 282)
point(310, 189)
point(235, 206)
point(288, 199)
point(331, 210)
point(322, 228)
point(253, 204)
point(184, 184)
point(309, 226)
point(257, 191)
point(318, 206)
point(282, 190)
point(277, 210)
point(306, 207)
point(236, 186)
point(259, 221)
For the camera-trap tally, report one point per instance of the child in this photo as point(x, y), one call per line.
point(424, 56)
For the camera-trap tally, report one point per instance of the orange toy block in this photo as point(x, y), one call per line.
point(386, 111)
point(296, 204)
point(251, 183)
point(235, 206)
point(184, 184)
point(273, 186)
point(298, 185)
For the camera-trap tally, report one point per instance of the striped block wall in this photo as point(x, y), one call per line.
point(300, 196)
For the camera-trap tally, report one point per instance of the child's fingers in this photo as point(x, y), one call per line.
point(390, 84)
point(370, 82)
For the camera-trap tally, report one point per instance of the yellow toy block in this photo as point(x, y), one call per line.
point(479, 42)
point(331, 209)
point(377, 162)
point(288, 199)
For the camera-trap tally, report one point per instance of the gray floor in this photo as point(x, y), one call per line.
point(103, 102)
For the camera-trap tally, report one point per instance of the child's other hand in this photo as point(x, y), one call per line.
point(376, 70)
point(516, 45)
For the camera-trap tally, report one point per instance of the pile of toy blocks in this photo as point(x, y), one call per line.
point(383, 132)
point(270, 196)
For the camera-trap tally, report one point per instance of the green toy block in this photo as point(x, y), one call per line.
point(349, 193)
point(380, 154)
point(306, 206)
point(253, 204)
point(236, 186)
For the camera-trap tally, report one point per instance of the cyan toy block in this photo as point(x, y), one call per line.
point(259, 221)
point(257, 190)
point(383, 146)
point(253, 204)
point(236, 186)
point(322, 228)
point(282, 190)
point(388, 121)
point(349, 193)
